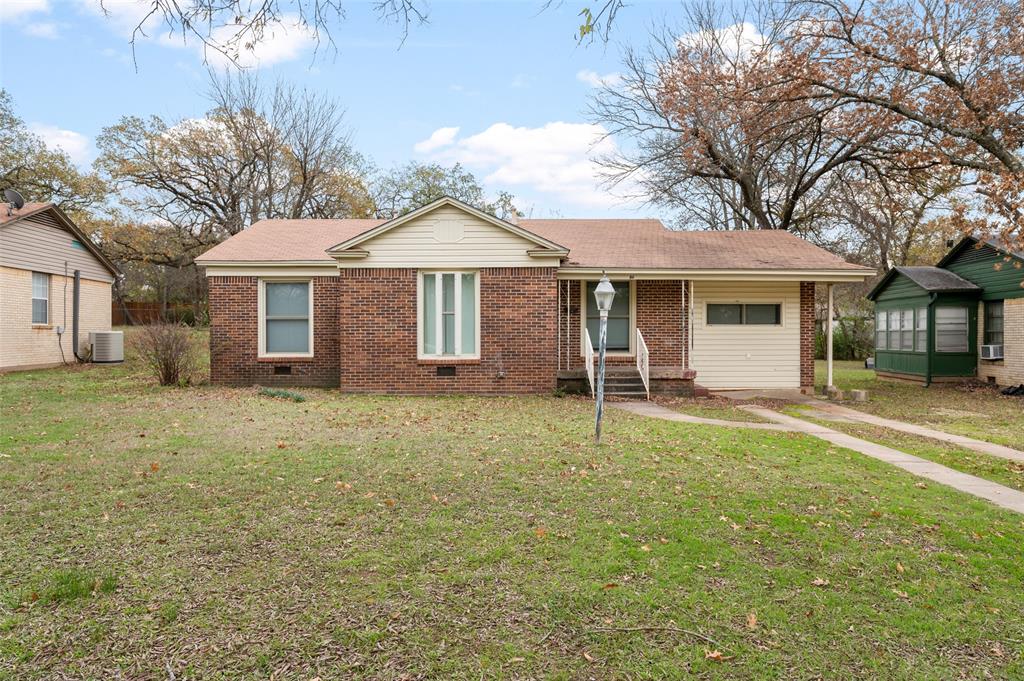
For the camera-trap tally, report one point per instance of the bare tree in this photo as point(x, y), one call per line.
point(699, 140)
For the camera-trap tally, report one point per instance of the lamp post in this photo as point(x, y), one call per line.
point(604, 293)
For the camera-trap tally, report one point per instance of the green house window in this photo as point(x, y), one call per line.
point(894, 329)
point(907, 330)
point(880, 337)
point(951, 329)
point(922, 329)
point(993, 322)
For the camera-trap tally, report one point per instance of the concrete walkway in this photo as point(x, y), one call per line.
point(644, 408)
point(1000, 495)
point(923, 431)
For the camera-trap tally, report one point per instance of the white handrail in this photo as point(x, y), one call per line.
point(590, 362)
point(643, 362)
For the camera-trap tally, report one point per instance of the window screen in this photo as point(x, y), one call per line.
point(922, 329)
point(951, 329)
point(287, 317)
point(993, 322)
point(744, 313)
point(40, 298)
point(880, 337)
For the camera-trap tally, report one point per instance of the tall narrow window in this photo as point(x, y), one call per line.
point(40, 298)
point(993, 322)
point(618, 317)
point(894, 329)
point(880, 327)
point(922, 329)
point(448, 314)
point(907, 330)
point(287, 318)
point(951, 329)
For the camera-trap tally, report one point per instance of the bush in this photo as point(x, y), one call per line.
point(282, 394)
point(852, 338)
point(168, 351)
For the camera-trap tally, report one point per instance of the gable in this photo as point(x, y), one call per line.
point(896, 286)
point(44, 241)
point(446, 234)
point(998, 273)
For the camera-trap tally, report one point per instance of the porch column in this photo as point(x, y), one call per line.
point(828, 340)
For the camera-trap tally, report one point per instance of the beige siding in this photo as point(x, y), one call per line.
point(39, 243)
point(1009, 371)
point(24, 345)
point(448, 237)
point(747, 356)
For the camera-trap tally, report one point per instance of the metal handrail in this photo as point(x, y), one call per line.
point(643, 362)
point(589, 355)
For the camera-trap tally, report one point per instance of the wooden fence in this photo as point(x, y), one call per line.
point(139, 312)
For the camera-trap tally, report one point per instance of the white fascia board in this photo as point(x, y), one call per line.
point(835, 276)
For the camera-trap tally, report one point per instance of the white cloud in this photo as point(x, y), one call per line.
point(282, 41)
point(520, 81)
point(13, 9)
point(441, 137)
point(595, 79)
point(556, 159)
point(123, 15)
point(42, 30)
point(76, 145)
point(738, 40)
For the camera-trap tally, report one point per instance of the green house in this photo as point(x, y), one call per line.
point(962, 319)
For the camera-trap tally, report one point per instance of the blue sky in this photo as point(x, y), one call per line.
point(501, 87)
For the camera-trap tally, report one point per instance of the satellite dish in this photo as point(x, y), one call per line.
point(14, 198)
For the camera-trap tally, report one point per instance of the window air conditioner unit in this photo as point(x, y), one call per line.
point(991, 351)
point(107, 346)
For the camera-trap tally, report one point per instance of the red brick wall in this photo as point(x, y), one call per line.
point(807, 335)
point(659, 316)
point(234, 339)
point(517, 330)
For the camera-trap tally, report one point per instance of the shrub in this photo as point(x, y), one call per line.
point(168, 351)
point(282, 394)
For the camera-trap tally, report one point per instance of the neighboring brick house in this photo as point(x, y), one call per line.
point(963, 318)
point(448, 299)
point(40, 250)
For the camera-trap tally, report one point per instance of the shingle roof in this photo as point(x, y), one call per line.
point(937, 279)
point(28, 209)
point(604, 243)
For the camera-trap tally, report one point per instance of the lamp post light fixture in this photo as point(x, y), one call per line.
point(604, 293)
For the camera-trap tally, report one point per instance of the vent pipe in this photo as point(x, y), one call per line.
point(74, 315)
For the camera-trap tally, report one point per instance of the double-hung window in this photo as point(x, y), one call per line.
point(993, 322)
point(922, 329)
point(951, 329)
point(448, 314)
point(619, 317)
point(40, 298)
point(894, 329)
point(907, 330)
point(880, 334)
point(286, 324)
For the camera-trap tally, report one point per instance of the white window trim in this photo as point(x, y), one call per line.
point(723, 301)
point(632, 319)
point(438, 330)
point(262, 317)
point(49, 286)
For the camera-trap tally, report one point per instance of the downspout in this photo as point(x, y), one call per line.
point(930, 344)
point(74, 315)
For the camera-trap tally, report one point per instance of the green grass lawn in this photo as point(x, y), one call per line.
point(711, 408)
point(221, 533)
point(974, 410)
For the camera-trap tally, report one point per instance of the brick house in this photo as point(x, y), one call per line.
point(448, 299)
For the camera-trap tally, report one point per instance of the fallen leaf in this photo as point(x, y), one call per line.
point(587, 656)
point(154, 466)
point(899, 567)
point(540, 532)
point(902, 594)
point(610, 585)
point(281, 444)
point(390, 503)
point(317, 481)
point(716, 656)
point(752, 621)
point(645, 547)
point(818, 581)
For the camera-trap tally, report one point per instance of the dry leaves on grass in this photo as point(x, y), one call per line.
point(752, 621)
